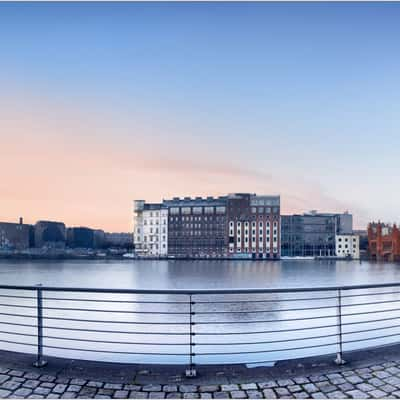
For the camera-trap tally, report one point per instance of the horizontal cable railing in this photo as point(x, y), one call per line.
point(228, 326)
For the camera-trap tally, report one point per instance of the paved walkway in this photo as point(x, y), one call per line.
point(374, 375)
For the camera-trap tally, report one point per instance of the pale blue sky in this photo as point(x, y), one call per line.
point(304, 95)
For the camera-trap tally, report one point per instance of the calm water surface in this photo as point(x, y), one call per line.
point(218, 323)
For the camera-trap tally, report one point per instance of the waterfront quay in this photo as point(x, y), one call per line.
point(366, 374)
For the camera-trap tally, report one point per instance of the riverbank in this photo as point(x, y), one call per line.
point(367, 374)
point(65, 255)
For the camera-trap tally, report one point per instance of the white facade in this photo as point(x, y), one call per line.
point(348, 246)
point(150, 229)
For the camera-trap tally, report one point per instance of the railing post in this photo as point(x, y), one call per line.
point(339, 355)
point(39, 307)
point(191, 371)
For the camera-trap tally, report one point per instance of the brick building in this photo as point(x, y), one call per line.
point(15, 236)
point(383, 242)
point(253, 227)
point(197, 227)
point(239, 225)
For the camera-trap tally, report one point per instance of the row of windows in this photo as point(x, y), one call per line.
point(266, 210)
point(154, 222)
point(247, 250)
point(197, 210)
point(347, 239)
point(154, 246)
point(253, 239)
point(192, 218)
point(253, 232)
point(346, 246)
point(253, 224)
point(153, 238)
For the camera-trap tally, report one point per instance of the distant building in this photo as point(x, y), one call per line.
point(363, 235)
point(118, 239)
point(15, 236)
point(50, 234)
point(348, 246)
point(150, 229)
point(99, 238)
point(81, 237)
point(197, 227)
point(254, 228)
point(313, 234)
point(236, 225)
point(383, 242)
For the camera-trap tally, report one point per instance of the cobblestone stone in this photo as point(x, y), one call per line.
point(187, 388)
point(189, 395)
point(152, 388)
point(221, 395)
point(377, 381)
point(4, 393)
point(269, 394)
point(254, 394)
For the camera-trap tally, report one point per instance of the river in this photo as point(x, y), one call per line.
point(212, 345)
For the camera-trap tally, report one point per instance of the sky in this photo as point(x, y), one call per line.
point(104, 103)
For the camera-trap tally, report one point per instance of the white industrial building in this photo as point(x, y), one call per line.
point(348, 246)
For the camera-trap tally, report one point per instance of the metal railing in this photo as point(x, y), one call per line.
point(192, 327)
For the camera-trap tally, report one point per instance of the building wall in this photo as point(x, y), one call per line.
point(50, 234)
point(253, 226)
point(383, 242)
point(211, 227)
point(150, 229)
point(197, 227)
point(313, 234)
point(80, 237)
point(14, 236)
point(348, 246)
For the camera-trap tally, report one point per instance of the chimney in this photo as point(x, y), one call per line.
point(21, 220)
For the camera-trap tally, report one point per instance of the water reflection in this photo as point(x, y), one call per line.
point(235, 328)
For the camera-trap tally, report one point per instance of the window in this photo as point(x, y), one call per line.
point(253, 210)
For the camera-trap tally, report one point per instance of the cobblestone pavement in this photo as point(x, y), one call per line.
point(376, 381)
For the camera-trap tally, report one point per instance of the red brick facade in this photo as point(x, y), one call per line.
point(383, 242)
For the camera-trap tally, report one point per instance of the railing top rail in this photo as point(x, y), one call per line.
point(198, 291)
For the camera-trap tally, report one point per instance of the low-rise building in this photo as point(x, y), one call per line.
point(50, 234)
point(314, 234)
point(348, 246)
point(118, 239)
point(15, 236)
point(80, 237)
point(383, 242)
